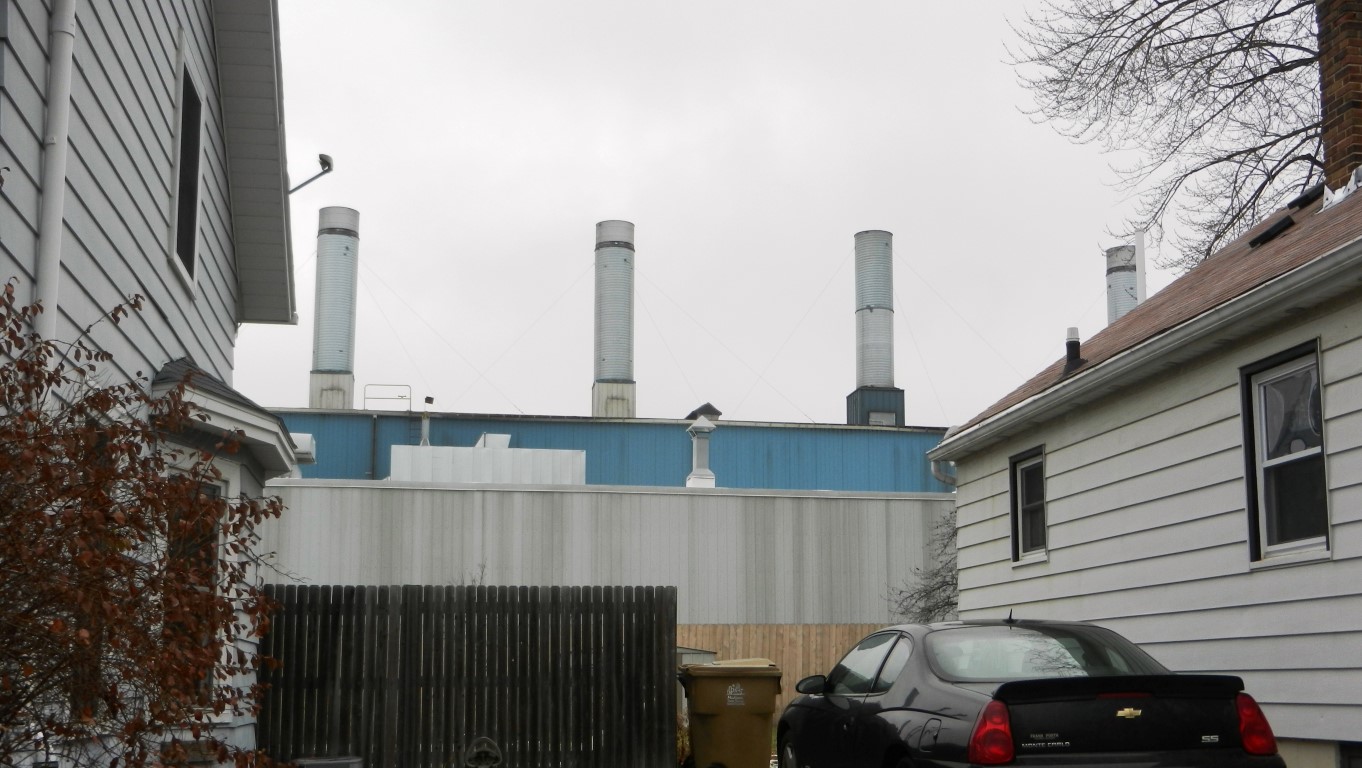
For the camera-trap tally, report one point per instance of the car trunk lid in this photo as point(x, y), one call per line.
point(1122, 713)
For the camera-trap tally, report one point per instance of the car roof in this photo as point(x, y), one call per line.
point(938, 625)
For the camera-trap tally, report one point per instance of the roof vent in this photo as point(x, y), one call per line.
point(1072, 358)
point(1307, 197)
point(707, 410)
point(1271, 233)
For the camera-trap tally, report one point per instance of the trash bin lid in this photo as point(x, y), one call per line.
point(729, 667)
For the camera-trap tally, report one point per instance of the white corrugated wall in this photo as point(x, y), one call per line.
point(736, 557)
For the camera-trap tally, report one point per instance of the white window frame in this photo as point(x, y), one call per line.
point(1019, 509)
point(1261, 464)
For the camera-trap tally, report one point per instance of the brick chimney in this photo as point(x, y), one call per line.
point(1340, 76)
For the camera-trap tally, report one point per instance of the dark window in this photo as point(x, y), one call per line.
point(856, 672)
point(1350, 754)
point(1285, 454)
point(193, 540)
point(187, 194)
point(1028, 504)
point(893, 665)
point(1021, 652)
point(192, 549)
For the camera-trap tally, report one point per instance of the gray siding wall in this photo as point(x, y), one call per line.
point(1149, 533)
point(737, 557)
point(120, 178)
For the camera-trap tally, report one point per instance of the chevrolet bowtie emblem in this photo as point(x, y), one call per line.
point(1129, 713)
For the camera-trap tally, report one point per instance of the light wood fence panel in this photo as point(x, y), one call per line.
point(799, 650)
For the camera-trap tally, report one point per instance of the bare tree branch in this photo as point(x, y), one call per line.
point(933, 593)
point(1219, 97)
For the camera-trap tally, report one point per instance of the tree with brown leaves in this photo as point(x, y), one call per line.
point(126, 605)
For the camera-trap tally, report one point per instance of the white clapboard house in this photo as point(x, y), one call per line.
point(142, 153)
point(1191, 477)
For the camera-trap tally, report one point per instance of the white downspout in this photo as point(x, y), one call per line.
point(943, 470)
point(56, 146)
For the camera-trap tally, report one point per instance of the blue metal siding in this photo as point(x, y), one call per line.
point(823, 459)
point(616, 453)
point(343, 443)
point(644, 453)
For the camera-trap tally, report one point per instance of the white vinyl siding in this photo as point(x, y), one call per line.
point(737, 557)
point(120, 179)
point(1150, 533)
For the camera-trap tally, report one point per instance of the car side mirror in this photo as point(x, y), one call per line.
point(816, 684)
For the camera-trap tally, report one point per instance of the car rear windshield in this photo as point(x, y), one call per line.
point(996, 653)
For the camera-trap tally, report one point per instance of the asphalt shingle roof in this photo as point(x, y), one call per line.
point(1226, 275)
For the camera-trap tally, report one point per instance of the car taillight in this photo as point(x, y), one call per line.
point(1254, 731)
point(991, 743)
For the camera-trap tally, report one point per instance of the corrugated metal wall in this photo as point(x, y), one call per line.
point(356, 445)
point(736, 557)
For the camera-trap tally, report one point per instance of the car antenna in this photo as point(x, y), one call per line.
point(1009, 619)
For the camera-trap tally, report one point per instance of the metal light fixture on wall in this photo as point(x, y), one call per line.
point(325, 161)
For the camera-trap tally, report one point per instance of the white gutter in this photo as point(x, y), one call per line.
point(56, 146)
point(1327, 272)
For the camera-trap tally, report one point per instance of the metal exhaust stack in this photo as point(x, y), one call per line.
point(1122, 292)
point(333, 335)
point(613, 395)
point(876, 400)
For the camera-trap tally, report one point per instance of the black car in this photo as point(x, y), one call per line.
point(1026, 693)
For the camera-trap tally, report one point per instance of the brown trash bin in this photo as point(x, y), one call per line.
point(730, 705)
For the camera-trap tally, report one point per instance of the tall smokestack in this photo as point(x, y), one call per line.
point(876, 400)
point(1123, 292)
point(1340, 77)
point(612, 395)
point(333, 334)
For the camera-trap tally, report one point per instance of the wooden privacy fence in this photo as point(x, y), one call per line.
point(412, 677)
point(799, 650)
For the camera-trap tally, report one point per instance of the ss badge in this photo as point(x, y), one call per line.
point(1210, 739)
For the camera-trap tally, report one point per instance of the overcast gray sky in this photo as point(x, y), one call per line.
point(481, 141)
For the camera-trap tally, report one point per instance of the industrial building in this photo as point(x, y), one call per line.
point(784, 540)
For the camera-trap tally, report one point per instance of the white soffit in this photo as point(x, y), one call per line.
point(250, 81)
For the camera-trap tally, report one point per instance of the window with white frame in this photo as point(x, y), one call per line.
point(184, 238)
point(1028, 504)
point(1288, 495)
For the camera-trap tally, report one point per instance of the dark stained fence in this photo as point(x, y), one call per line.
point(412, 677)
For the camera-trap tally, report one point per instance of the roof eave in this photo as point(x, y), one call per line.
point(258, 433)
point(251, 86)
point(1323, 278)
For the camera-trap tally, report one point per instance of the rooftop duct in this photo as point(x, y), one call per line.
point(876, 400)
point(333, 333)
point(612, 395)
